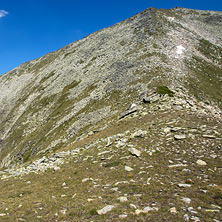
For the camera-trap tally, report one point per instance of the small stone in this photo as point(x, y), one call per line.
point(28, 182)
point(90, 133)
point(179, 137)
point(56, 168)
point(2, 215)
point(166, 130)
point(191, 210)
point(64, 184)
point(196, 219)
point(176, 129)
point(122, 199)
point(122, 216)
point(105, 209)
point(134, 152)
point(186, 217)
point(114, 189)
point(133, 206)
point(85, 179)
point(182, 185)
point(177, 165)
point(139, 133)
point(137, 195)
point(148, 181)
point(186, 200)
point(173, 210)
point(147, 209)
point(201, 162)
point(127, 168)
point(63, 211)
point(209, 136)
point(137, 212)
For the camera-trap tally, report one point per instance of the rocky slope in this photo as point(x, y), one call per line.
point(128, 118)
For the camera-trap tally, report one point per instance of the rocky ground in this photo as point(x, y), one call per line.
point(50, 102)
point(158, 160)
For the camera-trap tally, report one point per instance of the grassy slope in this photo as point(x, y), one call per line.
point(42, 200)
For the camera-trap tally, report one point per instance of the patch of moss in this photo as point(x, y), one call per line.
point(94, 58)
point(26, 157)
point(69, 53)
point(122, 43)
point(205, 81)
point(112, 164)
point(88, 65)
point(163, 90)
point(93, 212)
point(210, 50)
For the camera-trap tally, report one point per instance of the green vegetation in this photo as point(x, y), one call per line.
point(43, 197)
point(163, 90)
point(112, 164)
point(208, 76)
point(93, 212)
point(69, 53)
point(93, 58)
point(211, 51)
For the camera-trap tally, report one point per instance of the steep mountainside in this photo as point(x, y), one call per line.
point(50, 102)
point(131, 112)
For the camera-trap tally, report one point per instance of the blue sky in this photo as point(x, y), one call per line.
point(32, 28)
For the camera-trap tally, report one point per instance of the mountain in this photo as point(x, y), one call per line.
point(130, 112)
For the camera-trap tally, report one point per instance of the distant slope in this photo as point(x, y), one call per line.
point(50, 102)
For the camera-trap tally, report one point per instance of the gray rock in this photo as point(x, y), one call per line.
point(56, 168)
point(134, 152)
point(177, 165)
point(175, 129)
point(201, 163)
point(122, 216)
point(179, 137)
point(173, 210)
point(139, 133)
point(127, 168)
point(186, 200)
point(105, 209)
point(147, 209)
point(182, 185)
point(186, 217)
point(209, 136)
point(123, 199)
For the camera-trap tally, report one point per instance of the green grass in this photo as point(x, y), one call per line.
point(163, 90)
point(42, 197)
point(208, 76)
point(112, 164)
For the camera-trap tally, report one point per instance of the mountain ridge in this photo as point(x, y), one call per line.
point(143, 31)
point(123, 124)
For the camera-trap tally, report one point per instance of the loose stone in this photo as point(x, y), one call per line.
point(201, 162)
point(127, 168)
point(105, 209)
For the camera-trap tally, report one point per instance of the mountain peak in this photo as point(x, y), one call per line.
point(142, 97)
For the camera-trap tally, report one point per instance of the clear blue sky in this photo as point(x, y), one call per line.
point(32, 28)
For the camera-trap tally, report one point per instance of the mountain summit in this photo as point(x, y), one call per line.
point(137, 105)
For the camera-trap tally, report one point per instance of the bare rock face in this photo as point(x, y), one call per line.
point(50, 102)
